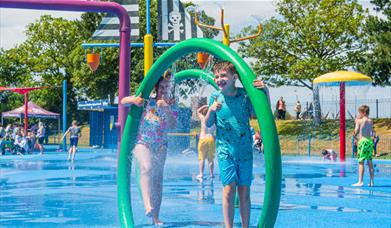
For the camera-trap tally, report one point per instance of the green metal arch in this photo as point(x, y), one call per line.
point(262, 110)
point(195, 73)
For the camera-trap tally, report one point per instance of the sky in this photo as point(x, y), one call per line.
point(237, 13)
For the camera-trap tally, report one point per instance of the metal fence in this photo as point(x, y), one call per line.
point(379, 108)
point(310, 146)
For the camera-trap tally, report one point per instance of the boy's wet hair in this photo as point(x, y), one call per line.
point(324, 152)
point(364, 109)
point(225, 65)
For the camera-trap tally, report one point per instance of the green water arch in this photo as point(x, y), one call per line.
point(259, 100)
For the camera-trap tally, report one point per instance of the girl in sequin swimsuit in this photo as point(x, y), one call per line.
point(151, 145)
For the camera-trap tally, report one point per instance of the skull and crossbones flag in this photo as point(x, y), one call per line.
point(175, 23)
point(109, 26)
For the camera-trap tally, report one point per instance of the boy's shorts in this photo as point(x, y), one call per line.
point(206, 148)
point(365, 149)
point(239, 171)
point(74, 141)
point(40, 140)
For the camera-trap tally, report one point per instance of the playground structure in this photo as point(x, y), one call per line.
point(258, 99)
point(342, 79)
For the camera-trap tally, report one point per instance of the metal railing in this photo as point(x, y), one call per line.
point(379, 108)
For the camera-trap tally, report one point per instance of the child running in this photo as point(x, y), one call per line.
point(151, 144)
point(75, 132)
point(365, 144)
point(230, 109)
point(206, 144)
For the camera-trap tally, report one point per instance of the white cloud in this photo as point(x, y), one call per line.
point(13, 23)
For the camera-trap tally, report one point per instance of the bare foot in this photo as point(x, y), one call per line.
point(157, 222)
point(370, 184)
point(358, 184)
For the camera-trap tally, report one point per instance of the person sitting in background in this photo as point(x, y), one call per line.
point(20, 142)
point(329, 154)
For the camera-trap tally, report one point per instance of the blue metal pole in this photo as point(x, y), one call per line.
point(148, 16)
point(309, 146)
point(64, 113)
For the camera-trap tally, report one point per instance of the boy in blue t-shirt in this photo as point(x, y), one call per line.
point(230, 109)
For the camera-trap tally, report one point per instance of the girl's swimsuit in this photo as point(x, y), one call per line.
point(153, 127)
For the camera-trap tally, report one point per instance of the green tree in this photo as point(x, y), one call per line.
point(53, 53)
point(308, 39)
point(13, 73)
point(377, 61)
point(50, 42)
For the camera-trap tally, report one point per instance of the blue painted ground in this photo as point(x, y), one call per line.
point(48, 191)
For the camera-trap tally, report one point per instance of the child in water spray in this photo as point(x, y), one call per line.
point(151, 144)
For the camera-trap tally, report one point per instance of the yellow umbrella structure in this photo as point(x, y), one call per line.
point(342, 79)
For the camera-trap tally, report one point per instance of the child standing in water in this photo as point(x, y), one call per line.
point(75, 132)
point(230, 109)
point(365, 144)
point(40, 136)
point(206, 144)
point(151, 144)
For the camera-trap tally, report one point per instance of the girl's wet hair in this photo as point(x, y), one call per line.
point(166, 75)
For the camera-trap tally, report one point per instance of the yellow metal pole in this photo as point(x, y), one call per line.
point(226, 35)
point(148, 53)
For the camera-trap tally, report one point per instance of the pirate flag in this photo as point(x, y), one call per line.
point(109, 26)
point(175, 23)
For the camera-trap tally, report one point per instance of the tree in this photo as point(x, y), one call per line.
point(377, 61)
point(50, 42)
point(53, 53)
point(311, 38)
point(13, 73)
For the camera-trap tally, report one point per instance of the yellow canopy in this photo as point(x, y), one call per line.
point(352, 78)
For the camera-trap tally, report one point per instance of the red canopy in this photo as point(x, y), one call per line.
point(33, 111)
point(21, 90)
